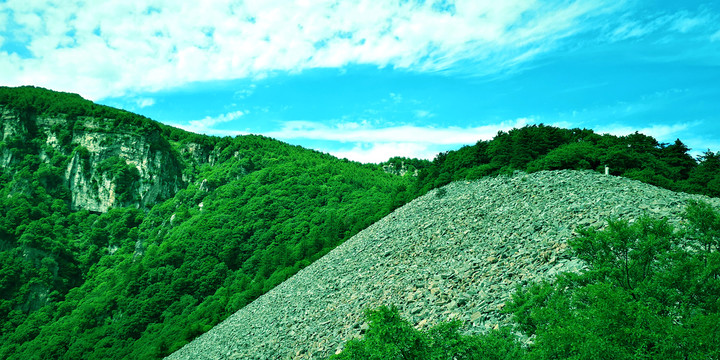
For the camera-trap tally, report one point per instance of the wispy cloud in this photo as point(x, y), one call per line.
point(688, 132)
point(372, 143)
point(423, 114)
point(684, 22)
point(660, 132)
point(699, 144)
point(209, 121)
point(662, 24)
point(145, 102)
point(354, 132)
point(128, 46)
point(377, 153)
point(207, 125)
point(715, 37)
point(245, 92)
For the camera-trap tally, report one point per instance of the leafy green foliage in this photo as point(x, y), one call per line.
point(33, 101)
point(650, 291)
point(140, 283)
point(582, 155)
point(539, 147)
point(389, 336)
point(623, 254)
point(124, 175)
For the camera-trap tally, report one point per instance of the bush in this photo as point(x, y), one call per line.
point(389, 336)
point(650, 291)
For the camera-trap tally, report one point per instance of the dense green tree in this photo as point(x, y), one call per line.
point(705, 178)
point(389, 336)
point(646, 294)
point(649, 292)
point(578, 155)
point(540, 147)
point(678, 159)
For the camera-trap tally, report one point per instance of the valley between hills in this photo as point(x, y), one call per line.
point(124, 238)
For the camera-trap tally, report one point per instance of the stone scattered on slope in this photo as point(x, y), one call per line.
point(457, 255)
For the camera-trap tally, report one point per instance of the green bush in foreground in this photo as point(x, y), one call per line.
point(650, 292)
point(392, 337)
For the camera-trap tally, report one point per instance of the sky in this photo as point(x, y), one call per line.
point(371, 79)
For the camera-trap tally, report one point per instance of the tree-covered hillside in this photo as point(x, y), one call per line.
point(141, 282)
point(145, 277)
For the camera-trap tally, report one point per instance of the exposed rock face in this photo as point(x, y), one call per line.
point(160, 173)
point(451, 254)
point(87, 142)
point(400, 171)
point(8, 129)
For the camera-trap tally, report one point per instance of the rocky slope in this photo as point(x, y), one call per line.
point(456, 253)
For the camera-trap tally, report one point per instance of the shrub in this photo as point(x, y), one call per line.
point(389, 336)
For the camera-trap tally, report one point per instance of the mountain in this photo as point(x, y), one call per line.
point(123, 238)
point(457, 252)
point(111, 223)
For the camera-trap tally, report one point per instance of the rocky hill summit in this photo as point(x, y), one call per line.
point(457, 252)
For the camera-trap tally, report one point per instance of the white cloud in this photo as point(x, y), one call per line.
point(380, 152)
point(634, 25)
point(700, 144)
point(377, 144)
point(207, 124)
point(715, 37)
point(145, 102)
point(116, 47)
point(685, 22)
point(244, 93)
point(630, 29)
point(210, 131)
point(423, 114)
point(366, 133)
point(662, 133)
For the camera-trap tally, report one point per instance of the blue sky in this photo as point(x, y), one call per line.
point(371, 79)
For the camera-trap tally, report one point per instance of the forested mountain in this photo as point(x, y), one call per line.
point(121, 237)
point(124, 238)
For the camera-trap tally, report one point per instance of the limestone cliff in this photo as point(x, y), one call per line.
point(104, 163)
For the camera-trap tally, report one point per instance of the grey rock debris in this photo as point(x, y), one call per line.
point(440, 257)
